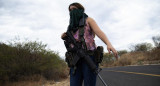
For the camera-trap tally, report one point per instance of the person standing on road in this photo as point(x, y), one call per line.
point(83, 72)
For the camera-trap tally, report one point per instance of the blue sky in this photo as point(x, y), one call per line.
point(125, 22)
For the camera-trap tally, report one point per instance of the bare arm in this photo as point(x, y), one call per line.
point(98, 31)
point(101, 35)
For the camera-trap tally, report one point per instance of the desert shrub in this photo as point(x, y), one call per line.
point(20, 59)
point(108, 59)
point(124, 60)
point(153, 55)
point(141, 47)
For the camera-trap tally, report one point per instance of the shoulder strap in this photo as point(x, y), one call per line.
point(81, 35)
point(82, 24)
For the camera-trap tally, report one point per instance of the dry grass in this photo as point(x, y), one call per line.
point(133, 58)
point(41, 82)
point(65, 82)
point(153, 55)
point(137, 58)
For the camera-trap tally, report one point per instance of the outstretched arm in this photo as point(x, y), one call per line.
point(102, 36)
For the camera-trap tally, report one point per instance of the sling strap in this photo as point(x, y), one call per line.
point(82, 25)
point(81, 35)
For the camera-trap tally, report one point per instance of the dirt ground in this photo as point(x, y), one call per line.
point(62, 83)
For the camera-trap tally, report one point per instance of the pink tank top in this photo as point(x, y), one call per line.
point(88, 36)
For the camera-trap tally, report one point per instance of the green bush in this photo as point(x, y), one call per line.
point(20, 59)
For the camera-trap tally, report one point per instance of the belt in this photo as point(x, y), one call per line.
point(90, 52)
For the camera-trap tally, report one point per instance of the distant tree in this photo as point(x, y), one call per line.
point(156, 40)
point(122, 52)
point(141, 47)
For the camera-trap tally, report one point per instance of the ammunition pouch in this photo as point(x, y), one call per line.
point(98, 54)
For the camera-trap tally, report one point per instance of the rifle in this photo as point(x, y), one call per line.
point(80, 53)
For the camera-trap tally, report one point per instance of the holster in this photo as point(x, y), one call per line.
point(98, 54)
point(69, 58)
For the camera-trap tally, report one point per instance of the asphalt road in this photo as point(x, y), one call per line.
point(148, 75)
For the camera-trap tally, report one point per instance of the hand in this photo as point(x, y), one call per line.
point(110, 48)
point(63, 35)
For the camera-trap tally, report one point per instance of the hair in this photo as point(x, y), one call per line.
point(76, 4)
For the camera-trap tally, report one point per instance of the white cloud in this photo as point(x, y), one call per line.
point(129, 22)
point(124, 21)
